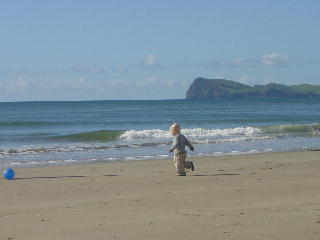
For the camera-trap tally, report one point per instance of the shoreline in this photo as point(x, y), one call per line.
point(151, 158)
point(164, 159)
point(257, 196)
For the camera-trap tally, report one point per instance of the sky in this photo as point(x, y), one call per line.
point(124, 49)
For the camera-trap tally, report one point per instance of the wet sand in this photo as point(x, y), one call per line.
point(259, 196)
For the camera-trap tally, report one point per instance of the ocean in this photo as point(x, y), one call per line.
point(60, 133)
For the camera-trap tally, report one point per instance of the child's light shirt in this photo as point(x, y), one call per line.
point(179, 144)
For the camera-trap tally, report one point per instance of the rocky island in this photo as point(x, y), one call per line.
point(203, 88)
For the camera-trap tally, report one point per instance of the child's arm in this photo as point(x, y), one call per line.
point(189, 145)
point(175, 144)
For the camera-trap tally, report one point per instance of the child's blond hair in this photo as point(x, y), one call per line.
point(175, 129)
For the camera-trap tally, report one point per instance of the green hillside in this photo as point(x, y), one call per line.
point(222, 88)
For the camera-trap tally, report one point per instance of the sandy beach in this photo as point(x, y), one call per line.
point(259, 196)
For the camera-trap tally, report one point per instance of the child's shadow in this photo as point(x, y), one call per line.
point(220, 174)
point(49, 177)
point(107, 175)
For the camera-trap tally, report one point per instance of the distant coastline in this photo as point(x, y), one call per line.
point(203, 88)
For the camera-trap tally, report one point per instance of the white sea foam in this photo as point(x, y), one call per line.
point(162, 156)
point(199, 132)
point(143, 134)
point(193, 133)
point(268, 150)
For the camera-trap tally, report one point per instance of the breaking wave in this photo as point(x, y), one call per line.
point(116, 139)
point(293, 129)
point(193, 133)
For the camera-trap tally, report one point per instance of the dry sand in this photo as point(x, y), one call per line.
point(261, 196)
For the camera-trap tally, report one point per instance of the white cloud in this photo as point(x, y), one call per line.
point(122, 70)
point(23, 83)
point(162, 82)
point(74, 83)
point(67, 70)
point(147, 82)
point(268, 80)
point(246, 79)
point(275, 60)
point(16, 84)
point(267, 60)
point(88, 69)
point(150, 61)
point(150, 80)
point(118, 83)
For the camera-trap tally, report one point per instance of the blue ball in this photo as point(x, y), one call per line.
point(8, 174)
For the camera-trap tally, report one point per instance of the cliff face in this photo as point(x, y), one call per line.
point(203, 88)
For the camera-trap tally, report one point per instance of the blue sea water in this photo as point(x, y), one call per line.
point(55, 133)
